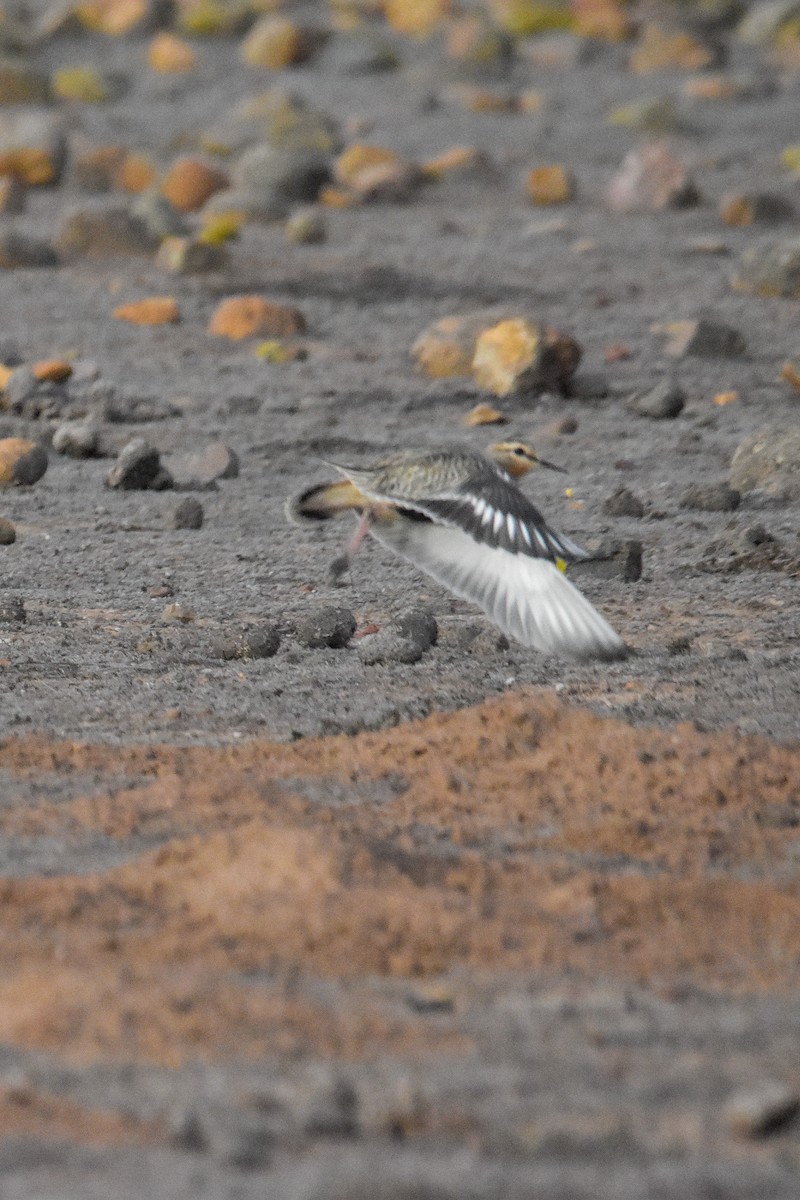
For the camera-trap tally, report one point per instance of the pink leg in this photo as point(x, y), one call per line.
point(342, 564)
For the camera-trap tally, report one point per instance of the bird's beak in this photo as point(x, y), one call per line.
point(542, 462)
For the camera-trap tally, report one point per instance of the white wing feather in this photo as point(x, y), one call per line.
point(528, 598)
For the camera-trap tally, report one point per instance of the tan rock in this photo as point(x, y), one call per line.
point(241, 317)
point(518, 356)
point(709, 87)
point(445, 349)
point(155, 310)
point(360, 157)
point(605, 20)
point(663, 50)
point(56, 370)
point(485, 414)
point(750, 208)
point(483, 99)
point(336, 197)
point(550, 185)
point(170, 55)
point(651, 178)
point(417, 18)
point(375, 173)
point(791, 374)
point(21, 462)
point(112, 16)
point(190, 182)
point(458, 160)
point(274, 43)
point(136, 174)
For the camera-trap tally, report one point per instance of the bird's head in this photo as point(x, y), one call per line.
point(517, 458)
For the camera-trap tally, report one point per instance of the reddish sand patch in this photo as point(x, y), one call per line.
point(519, 834)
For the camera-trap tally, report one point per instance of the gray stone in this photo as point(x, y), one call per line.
point(359, 53)
point(160, 218)
point(623, 503)
point(711, 497)
point(138, 468)
point(19, 249)
point(770, 268)
point(612, 558)
point(331, 627)
point(189, 514)
point(103, 229)
point(278, 178)
point(418, 625)
point(704, 339)
point(388, 646)
point(30, 467)
point(12, 610)
point(203, 467)
point(762, 1110)
point(76, 439)
point(663, 402)
point(21, 385)
point(769, 461)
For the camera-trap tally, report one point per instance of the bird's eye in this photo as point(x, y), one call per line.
point(518, 450)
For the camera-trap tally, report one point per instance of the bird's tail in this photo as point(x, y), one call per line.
point(325, 500)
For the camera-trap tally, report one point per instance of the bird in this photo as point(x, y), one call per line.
point(458, 514)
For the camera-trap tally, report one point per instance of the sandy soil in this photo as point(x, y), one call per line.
point(482, 925)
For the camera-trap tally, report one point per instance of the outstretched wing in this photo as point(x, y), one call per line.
point(526, 595)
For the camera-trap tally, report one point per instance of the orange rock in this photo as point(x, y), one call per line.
point(334, 197)
point(21, 462)
point(169, 55)
point(274, 43)
point(5, 375)
point(484, 414)
point(112, 16)
point(446, 348)
point(56, 370)
point(791, 374)
point(418, 18)
point(190, 182)
point(660, 50)
point(723, 398)
point(516, 355)
point(484, 100)
point(603, 19)
point(458, 158)
point(550, 185)
point(709, 87)
point(136, 174)
point(360, 157)
point(35, 165)
point(241, 317)
point(155, 310)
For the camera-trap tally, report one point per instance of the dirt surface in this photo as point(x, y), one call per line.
point(482, 925)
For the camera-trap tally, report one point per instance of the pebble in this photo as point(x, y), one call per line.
point(519, 357)
point(190, 256)
point(751, 208)
point(758, 1111)
point(200, 468)
point(703, 338)
point(138, 468)
point(418, 625)
point(188, 514)
point(306, 227)
point(261, 641)
point(20, 386)
point(388, 646)
point(104, 228)
point(358, 54)
point(711, 497)
point(13, 195)
point(24, 250)
point(331, 627)
point(8, 533)
point(160, 218)
point(33, 146)
point(652, 178)
point(170, 55)
point(12, 611)
point(446, 348)
point(663, 402)
point(154, 310)
point(76, 439)
point(623, 503)
point(769, 461)
point(22, 463)
point(662, 49)
point(484, 414)
point(190, 182)
point(611, 559)
point(180, 614)
point(273, 179)
point(550, 185)
point(770, 268)
point(240, 317)
point(275, 42)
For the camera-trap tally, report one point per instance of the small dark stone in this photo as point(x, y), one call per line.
point(331, 627)
point(189, 514)
point(31, 466)
point(611, 559)
point(623, 503)
point(418, 625)
point(761, 1111)
point(663, 402)
point(21, 250)
point(12, 611)
point(711, 497)
point(137, 468)
point(8, 534)
point(260, 642)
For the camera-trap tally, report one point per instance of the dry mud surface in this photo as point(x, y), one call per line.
point(484, 925)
